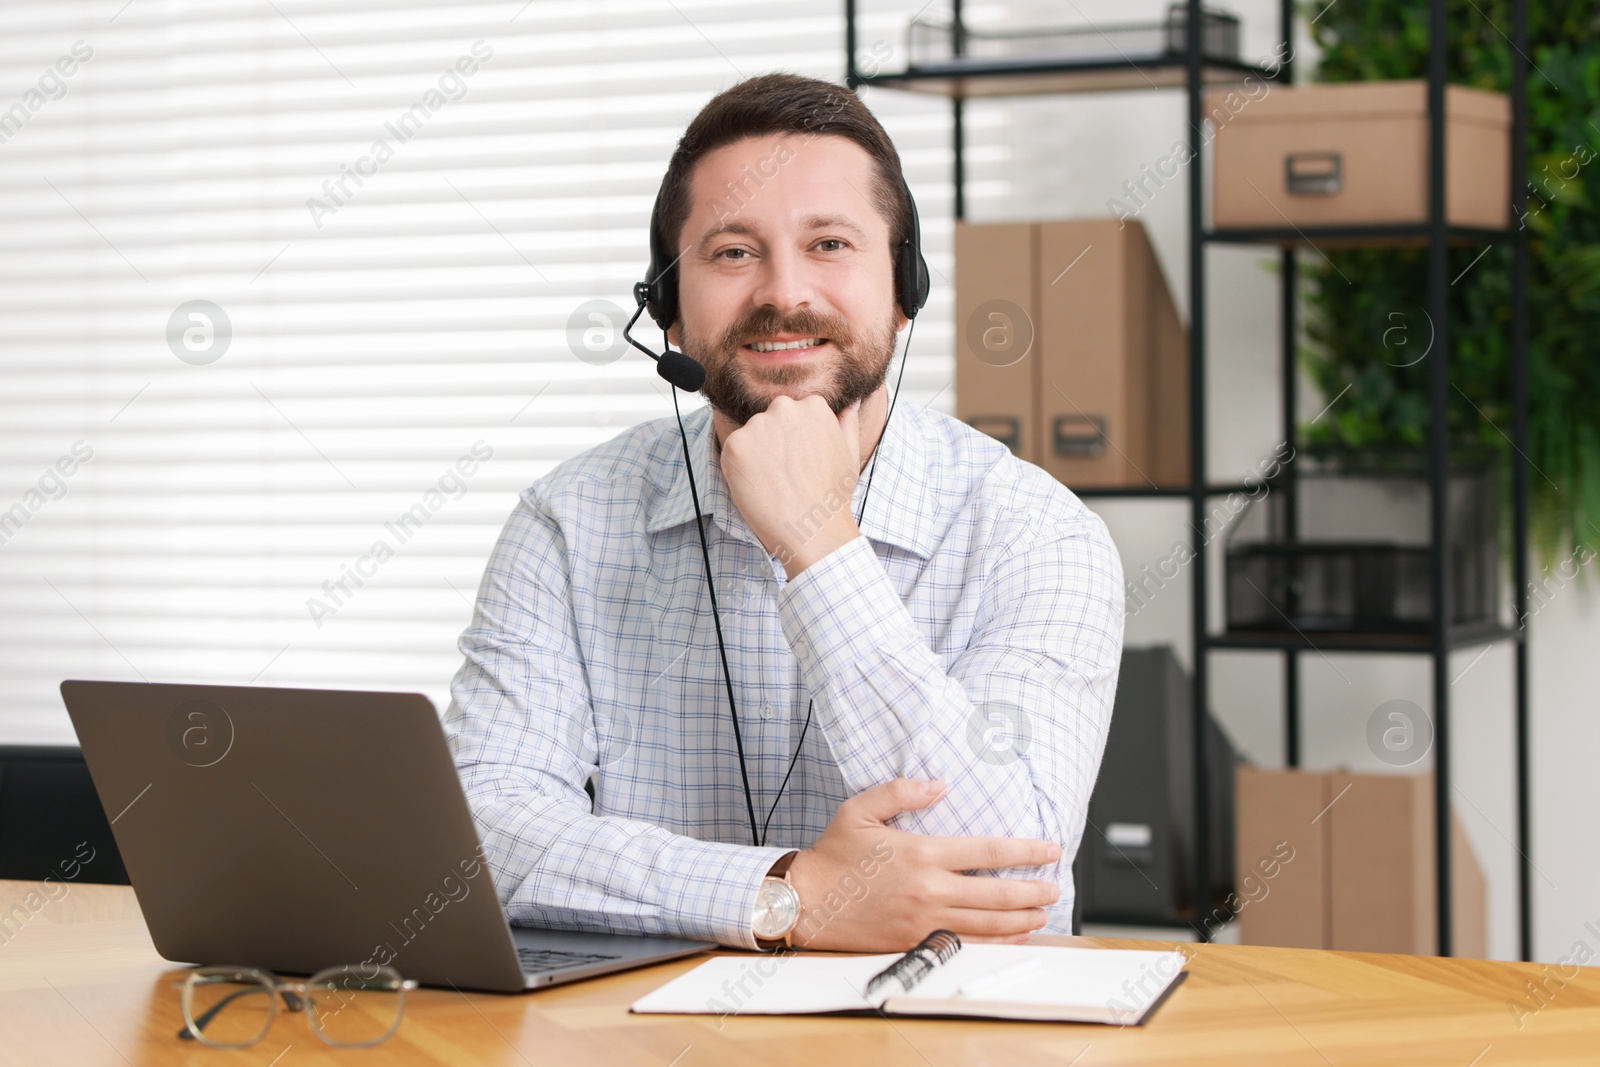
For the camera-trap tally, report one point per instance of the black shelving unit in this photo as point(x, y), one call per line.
point(960, 78)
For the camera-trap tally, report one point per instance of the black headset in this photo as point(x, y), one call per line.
point(659, 290)
point(659, 294)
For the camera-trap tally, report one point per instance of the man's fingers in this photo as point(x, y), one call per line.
point(883, 802)
point(987, 853)
point(996, 894)
point(970, 922)
point(1012, 939)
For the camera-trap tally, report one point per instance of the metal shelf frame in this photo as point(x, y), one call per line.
point(959, 81)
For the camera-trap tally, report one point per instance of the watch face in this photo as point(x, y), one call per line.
point(777, 908)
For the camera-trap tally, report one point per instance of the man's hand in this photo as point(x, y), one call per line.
point(791, 470)
point(867, 887)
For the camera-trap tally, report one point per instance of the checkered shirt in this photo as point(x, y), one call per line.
point(973, 635)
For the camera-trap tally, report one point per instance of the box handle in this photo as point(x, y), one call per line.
point(1080, 436)
point(1314, 173)
point(1007, 429)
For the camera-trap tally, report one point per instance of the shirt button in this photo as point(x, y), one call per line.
point(766, 711)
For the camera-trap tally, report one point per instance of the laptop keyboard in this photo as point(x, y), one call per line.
point(540, 960)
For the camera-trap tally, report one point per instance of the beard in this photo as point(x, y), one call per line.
point(740, 388)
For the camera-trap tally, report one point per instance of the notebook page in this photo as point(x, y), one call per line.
point(767, 985)
point(1121, 980)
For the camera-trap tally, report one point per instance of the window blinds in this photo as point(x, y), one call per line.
point(298, 294)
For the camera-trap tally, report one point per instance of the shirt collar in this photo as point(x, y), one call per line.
point(901, 510)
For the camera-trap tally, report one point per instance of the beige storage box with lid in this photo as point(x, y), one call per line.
point(1356, 153)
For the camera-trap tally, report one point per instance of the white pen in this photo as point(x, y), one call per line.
point(996, 979)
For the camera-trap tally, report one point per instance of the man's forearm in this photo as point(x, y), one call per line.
point(1015, 728)
point(558, 866)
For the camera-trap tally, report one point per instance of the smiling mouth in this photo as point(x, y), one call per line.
point(804, 344)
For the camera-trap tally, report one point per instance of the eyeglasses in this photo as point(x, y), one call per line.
point(351, 1007)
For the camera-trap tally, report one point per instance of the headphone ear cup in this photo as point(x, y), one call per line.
point(660, 295)
point(910, 269)
point(911, 279)
point(661, 299)
point(661, 279)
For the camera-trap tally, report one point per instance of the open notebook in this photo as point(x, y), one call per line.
point(938, 977)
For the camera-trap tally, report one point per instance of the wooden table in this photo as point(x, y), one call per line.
point(81, 984)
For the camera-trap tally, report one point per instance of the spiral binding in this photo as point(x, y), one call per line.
point(916, 964)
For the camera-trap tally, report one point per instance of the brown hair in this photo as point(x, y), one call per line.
point(773, 104)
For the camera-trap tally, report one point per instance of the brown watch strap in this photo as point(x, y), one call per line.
point(781, 868)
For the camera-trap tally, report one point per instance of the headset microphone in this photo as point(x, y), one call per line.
point(678, 369)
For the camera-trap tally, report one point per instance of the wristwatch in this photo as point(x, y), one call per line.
point(777, 907)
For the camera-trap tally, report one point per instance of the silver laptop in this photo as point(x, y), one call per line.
point(297, 829)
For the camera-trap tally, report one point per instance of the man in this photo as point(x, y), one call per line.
point(940, 674)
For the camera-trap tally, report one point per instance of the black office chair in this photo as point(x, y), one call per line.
point(51, 818)
point(1077, 901)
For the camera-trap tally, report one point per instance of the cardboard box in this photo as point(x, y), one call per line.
point(1069, 348)
point(1382, 897)
point(1356, 153)
point(1276, 819)
point(1359, 872)
point(997, 362)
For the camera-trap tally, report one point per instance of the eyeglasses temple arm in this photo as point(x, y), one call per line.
point(201, 1023)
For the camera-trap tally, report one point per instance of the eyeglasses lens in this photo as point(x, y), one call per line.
point(355, 1006)
point(228, 1009)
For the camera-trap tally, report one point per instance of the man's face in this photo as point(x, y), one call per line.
point(785, 246)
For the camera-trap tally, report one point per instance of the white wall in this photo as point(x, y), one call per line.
point(1566, 790)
